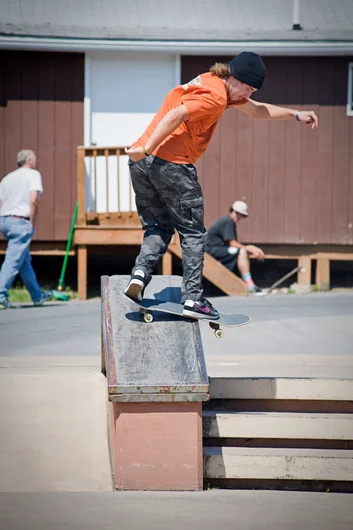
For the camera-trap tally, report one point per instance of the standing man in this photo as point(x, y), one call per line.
point(223, 245)
point(19, 196)
point(168, 195)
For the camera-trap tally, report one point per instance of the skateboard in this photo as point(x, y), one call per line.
point(148, 305)
point(288, 275)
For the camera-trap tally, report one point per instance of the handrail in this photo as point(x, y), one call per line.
point(100, 149)
point(100, 173)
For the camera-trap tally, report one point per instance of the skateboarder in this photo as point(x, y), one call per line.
point(20, 191)
point(164, 178)
point(223, 244)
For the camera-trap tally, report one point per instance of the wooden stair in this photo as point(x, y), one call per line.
point(216, 273)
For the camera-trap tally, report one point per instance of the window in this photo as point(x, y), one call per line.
point(350, 90)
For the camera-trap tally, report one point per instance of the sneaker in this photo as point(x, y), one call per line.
point(136, 287)
point(200, 309)
point(5, 304)
point(257, 291)
point(46, 295)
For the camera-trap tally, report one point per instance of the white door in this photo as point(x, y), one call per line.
point(123, 91)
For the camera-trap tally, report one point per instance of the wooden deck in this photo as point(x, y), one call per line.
point(106, 228)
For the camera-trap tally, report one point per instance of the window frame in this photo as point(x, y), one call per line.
point(350, 90)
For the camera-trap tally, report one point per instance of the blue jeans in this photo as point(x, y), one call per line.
point(18, 233)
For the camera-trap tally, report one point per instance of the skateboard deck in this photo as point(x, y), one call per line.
point(148, 305)
point(288, 275)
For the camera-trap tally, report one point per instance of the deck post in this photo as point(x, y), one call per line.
point(304, 277)
point(81, 186)
point(322, 279)
point(82, 272)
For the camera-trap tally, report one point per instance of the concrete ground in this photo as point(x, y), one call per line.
point(54, 432)
point(243, 510)
point(50, 362)
point(290, 335)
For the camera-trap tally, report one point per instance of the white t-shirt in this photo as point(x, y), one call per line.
point(15, 189)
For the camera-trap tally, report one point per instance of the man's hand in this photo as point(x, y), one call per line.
point(135, 153)
point(256, 252)
point(309, 118)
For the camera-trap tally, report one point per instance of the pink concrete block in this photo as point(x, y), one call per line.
point(157, 446)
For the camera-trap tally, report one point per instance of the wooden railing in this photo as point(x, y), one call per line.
point(88, 159)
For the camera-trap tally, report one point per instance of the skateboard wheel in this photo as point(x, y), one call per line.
point(148, 317)
point(219, 333)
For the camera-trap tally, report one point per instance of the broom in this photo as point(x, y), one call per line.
point(58, 294)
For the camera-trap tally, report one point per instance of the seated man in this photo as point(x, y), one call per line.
point(223, 245)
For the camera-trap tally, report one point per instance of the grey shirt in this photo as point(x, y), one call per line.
point(220, 233)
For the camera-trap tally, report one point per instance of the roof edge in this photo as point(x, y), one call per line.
point(178, 47)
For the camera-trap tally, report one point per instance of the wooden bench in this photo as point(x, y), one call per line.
point(232, 285)
point(322, 274)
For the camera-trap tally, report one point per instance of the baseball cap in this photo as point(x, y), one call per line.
point(240, 207)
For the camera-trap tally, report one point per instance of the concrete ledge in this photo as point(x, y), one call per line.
point(285, 464)
point(281, 388)
point(156, 446)
point(163, 358)
point(157, 379)
point(54, 433)
point(277, 425)
point(159, 398)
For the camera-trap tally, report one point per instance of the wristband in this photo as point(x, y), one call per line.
point(297, 115)
point(144, 151)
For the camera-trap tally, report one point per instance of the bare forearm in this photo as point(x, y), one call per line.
point(166, 126)
point(266, 111)
point(33, 213)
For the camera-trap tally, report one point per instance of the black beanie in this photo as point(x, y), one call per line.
point(249, 68)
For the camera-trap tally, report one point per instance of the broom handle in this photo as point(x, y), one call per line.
point(68, 247)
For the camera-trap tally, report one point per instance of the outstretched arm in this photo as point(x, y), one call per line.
point(266, 111)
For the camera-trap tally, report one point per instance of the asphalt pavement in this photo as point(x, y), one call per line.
point(309, 335)
point(229, 510)
point(294, 336)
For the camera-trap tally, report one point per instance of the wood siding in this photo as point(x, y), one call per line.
point(41, 108)
point(298, 182)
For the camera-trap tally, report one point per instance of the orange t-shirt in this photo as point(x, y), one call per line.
point(205, 98)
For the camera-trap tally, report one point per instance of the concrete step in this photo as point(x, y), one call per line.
point(281, 388)
point(269, 463)
point(277, 425)
point(54, 432)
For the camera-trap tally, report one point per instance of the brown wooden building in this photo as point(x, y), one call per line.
point(298, 182)
point(41, 108)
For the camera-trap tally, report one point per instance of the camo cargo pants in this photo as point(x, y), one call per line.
point(168, 198)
